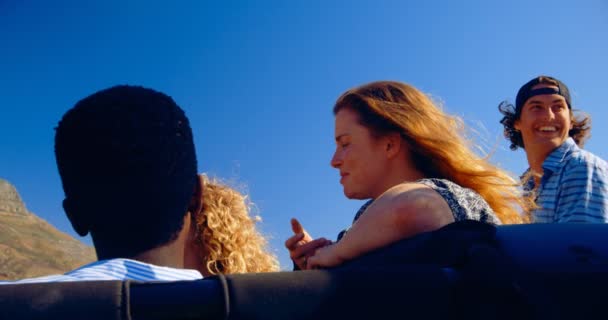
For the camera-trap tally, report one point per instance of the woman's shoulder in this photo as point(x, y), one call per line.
point(465, 203)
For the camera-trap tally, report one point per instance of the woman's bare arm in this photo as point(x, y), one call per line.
point(401, 212)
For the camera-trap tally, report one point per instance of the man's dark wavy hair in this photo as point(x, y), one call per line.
point(581, 123)
point(127, 161)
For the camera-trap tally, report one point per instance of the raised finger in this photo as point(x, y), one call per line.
point(291, 243)
point(296, 227)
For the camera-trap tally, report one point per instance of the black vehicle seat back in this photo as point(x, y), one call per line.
point(95, 300)
point(523, 272)
point(556, 248)
point(322, 294)
point(562, 267)
point(413, 292)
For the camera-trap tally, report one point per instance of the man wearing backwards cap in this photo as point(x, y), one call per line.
point(568, 184)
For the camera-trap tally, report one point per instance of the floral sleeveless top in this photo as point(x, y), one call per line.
point(465, 203)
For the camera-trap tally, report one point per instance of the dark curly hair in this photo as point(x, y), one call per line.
point(128, 167)
point(581, 122)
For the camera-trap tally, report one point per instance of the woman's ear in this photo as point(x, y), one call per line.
point(393, 144)
point(79, 222)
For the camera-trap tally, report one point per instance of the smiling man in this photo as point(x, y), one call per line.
point(568, 184)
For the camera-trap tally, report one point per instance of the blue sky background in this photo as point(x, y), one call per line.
point(258, 80)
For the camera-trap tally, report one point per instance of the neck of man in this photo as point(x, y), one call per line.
point(168, 255)
point(536, 158)
point(171, 254)
point(536, 163)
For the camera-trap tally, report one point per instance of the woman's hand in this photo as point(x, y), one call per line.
point(325, 257)
point(301, 246)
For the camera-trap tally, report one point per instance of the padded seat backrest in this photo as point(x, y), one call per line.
point(556, 248)
point(562, 267)
point(95, 300)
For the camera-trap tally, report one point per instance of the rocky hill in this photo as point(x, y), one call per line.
point(30, 246)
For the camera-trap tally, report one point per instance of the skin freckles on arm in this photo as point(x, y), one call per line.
point(401, 212)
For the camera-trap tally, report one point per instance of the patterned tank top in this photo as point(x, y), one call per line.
point(465, 203)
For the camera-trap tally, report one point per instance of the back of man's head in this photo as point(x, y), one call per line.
point(128, 167)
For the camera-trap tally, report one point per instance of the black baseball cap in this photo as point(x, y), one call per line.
point(526, 92)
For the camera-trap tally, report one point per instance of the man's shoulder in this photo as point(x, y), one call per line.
point(583, 159)
point(123, 269)
point(43, 279)
point(118, 269)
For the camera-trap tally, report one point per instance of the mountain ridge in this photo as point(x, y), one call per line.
point(32, 247)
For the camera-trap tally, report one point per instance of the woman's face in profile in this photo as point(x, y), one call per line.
point(359, 157)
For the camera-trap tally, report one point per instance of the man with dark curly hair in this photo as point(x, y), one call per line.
point(567, 183)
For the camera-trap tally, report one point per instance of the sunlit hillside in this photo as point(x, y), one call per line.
point(30, 246)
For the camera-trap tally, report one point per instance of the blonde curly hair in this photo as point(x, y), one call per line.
point(227, 234)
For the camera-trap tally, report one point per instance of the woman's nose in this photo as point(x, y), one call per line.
point(336, 160)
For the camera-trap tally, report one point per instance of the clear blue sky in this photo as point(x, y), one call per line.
point(258, 80)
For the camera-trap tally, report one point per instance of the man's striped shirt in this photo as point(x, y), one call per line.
point(118, 269)
point(573, 187)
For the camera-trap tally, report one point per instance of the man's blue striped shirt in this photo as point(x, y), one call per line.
point(118, 269)
point(573, 188)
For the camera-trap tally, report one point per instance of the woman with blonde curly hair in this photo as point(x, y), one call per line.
point(226, 239)
point(397, 148)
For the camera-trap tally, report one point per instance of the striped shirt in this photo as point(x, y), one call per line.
point(117, 269)
point(573, 188)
